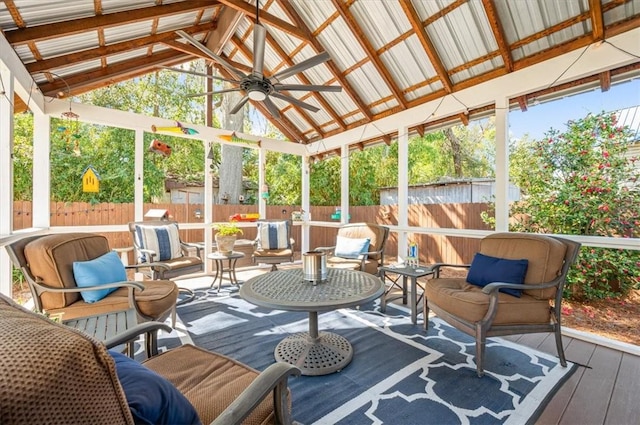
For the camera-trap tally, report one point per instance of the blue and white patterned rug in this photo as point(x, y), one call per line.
point(399, 374)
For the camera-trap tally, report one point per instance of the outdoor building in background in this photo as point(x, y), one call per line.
point(451, 191)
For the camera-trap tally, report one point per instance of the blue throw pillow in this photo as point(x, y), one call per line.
point(351, 247)
point(105, 269)
point(152, 399)
point(485, 270)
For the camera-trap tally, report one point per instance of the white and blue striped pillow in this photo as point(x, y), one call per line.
point(273, 235)
point(163, 240)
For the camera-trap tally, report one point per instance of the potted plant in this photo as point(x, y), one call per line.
point(226, 235)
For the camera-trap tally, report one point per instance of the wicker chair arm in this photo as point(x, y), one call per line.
point(272, 380)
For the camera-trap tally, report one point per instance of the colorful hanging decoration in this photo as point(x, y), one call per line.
point(178, 128)
point(90, 180)
point(235, 139)
point(69, 128)
point(160, 148)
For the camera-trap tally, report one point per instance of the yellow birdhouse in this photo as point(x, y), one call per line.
point(90, 180)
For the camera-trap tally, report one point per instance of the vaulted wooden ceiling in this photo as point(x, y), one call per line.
point(387, 55)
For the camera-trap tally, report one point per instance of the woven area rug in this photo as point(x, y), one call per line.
point(399, 373)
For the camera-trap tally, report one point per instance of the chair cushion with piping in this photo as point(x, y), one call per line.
point(544, 254)
point(51, 260)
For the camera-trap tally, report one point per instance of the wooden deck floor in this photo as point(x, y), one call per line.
point(606, 390)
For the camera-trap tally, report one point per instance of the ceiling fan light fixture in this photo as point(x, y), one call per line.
point(257, 95)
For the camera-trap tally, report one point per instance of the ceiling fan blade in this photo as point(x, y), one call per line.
point(213, 92)
point(209, 53)
point(200, 74)
point(306, 87)
point(305, 64)
point(295, 101)
point(271, 107)
point(239, 105)
point(259, 37)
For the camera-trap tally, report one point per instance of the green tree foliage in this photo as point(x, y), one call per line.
point(23, 157)
point(582, 182)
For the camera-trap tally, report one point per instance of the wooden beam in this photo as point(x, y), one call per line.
point(76, 26)
point(15, 14)
point(464, 117)
point(427, 45)
point(112, 49)
point(91, 80)
point(597, 20)
point(339, 75)
point(250, 10)
point(370, 51)
point(498, 34)
point(522, 101)
point(605, 81)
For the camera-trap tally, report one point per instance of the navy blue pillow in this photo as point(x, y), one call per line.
point(152, 399)
point(485, 270)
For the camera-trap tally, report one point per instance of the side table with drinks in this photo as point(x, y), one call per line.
point(395, 272)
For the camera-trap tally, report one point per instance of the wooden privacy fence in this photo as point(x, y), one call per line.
point(433, 248)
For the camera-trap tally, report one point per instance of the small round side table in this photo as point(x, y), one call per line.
point(219, 259)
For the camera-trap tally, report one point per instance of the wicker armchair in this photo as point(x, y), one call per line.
point(56, 374)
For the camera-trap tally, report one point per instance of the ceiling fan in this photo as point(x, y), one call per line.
point(255, 85)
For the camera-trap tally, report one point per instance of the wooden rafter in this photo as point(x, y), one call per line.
point(15, 14)
point(305, 80)
point(427, 45)
point(344, 83)
point(597, 20)
point(370, 52)
point(76, 26)
point(265, 17)
point(605, 81)
point(85, 81)
point(498, 34)
point(523, 103)
point(113, 49)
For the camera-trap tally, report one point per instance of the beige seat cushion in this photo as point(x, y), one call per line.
point(545, 255)
point(213, 384)
point(285, 253)
point(182, 262)
point(457, 297)
point(53, 374)
point(158, 297)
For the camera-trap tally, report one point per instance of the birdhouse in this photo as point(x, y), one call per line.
point(90, 180)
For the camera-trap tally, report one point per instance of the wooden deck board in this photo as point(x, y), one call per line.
point(625, 400)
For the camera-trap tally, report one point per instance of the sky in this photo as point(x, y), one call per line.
point(538, 119)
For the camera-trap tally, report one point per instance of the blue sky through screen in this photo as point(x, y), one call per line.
point(538, 119)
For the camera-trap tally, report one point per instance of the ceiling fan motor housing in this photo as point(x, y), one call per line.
point(256, 88)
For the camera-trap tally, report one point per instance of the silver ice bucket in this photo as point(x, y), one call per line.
point(314, 266)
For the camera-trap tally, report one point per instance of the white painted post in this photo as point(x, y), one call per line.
point(262, 163)
point(502, 164)
point(305, 206)
point(138, 190)
point(403, 189)
point(344, 184)
point(208, 205)
point(6, 173)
